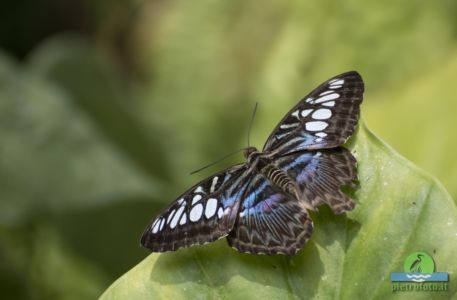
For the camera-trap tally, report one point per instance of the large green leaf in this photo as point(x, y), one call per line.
point(400, 209)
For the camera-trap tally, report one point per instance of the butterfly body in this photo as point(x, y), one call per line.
point(262, 206)
point(261, 163)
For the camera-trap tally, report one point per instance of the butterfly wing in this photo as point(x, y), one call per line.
point(203, 214)
point(259, 217)
point(325, 118)
point(269, 221)
point(320, 175)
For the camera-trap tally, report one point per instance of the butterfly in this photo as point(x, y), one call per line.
point(261, 206)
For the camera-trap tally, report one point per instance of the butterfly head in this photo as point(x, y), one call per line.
point(252, 155)
point(247, 152)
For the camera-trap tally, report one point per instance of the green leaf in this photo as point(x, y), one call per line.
point(400, 209)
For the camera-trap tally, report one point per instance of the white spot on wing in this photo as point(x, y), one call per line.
point(211, 207)
point(170, 216)
point(325, 93)
point(183, 219)
point(213, 184)
point(155, 226)
point(162, 222)
point(295, 114)
point(176, 217)
point(333, 80)
point(334, 87)
point(319, 140)
point(329, 103)
point(321, 134)
point(199, 190)
point(327, 97)
point(322, 114)
point(196, 199)
point(285, 126)
point(337, 82)
point(316, 125)
point(196, 212)
point(306, 112)
point(220, 212)
point(181, 201)
point(309, 100)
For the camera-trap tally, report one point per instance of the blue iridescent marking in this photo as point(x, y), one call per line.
point(232, 197)
point(308, 171)
point(267, 205)
point(249, 202)
point(300, 160)
point(264, 206)
point(308, 141)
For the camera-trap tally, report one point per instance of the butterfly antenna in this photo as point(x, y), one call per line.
point(217, 161)
point(231, 153)
point(251, 122)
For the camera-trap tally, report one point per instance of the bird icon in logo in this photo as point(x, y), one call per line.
point(416, 265)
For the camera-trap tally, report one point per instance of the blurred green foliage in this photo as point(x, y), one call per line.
point(100, 127)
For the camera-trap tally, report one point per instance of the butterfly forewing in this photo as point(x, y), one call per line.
point(203, 214)
point(269, 221)
point(325, 118)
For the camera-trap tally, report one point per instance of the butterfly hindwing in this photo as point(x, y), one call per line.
point(269, 221)
point(203, 214)
point(321, 174)
point(324, 119)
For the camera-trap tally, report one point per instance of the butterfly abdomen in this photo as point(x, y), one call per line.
point(279, 178)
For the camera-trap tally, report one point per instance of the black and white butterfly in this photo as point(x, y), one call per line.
point(262, 205)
